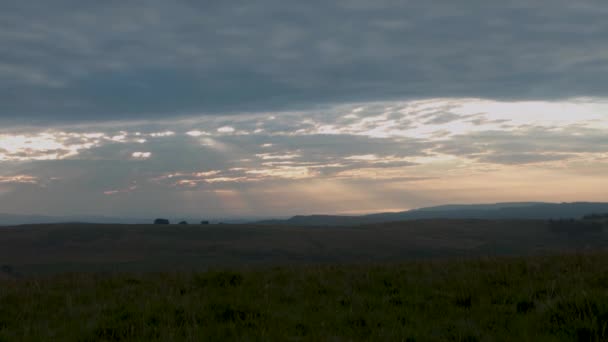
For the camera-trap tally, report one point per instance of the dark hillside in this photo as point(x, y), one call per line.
point(499, 211)
point(84, 247)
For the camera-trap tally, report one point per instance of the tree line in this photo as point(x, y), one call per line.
point(162, 221)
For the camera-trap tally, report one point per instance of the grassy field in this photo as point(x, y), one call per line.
point(60, 248)
point(538, 298)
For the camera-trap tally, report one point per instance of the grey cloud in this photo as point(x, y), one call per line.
point(443, 118)
point(526, 145)
point(107, 167)
point(246, 172)
point(522, 158)
point(91, 60)
point(478, 121)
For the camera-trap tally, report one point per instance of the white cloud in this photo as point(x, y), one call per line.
point(365, 157)
point(19, 179)
point(285, 172)
point(226, 129)
point(196, 133)
point(277, 156)
point(141, 155)
point(162, 134)
point(44, 145)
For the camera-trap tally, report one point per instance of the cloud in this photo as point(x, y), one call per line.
point(225, 129)
point(18, 179)
point(162, 60)
point(141, 155)
point(523, 158)
point(121, 191)
point(360, 156)
point(196, 133)
point(527, 145)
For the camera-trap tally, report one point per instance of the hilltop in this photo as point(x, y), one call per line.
point(497, 211)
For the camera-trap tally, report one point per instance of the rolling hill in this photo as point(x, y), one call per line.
point(497, 211)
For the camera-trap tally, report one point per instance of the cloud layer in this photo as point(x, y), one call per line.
point(280, 107)
point(97, 61)
point(344, 158)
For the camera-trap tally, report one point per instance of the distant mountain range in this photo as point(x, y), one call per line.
point(497, 211)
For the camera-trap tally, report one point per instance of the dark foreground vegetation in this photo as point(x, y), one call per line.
point(537, 298)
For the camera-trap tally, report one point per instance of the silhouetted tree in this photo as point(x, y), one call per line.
point(204, 222)
point(161, 221)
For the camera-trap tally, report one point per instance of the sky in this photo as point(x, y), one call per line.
point(277, 107)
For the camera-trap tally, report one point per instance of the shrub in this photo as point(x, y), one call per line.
point(161, 221)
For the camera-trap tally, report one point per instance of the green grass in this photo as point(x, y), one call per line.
point(557, 298)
